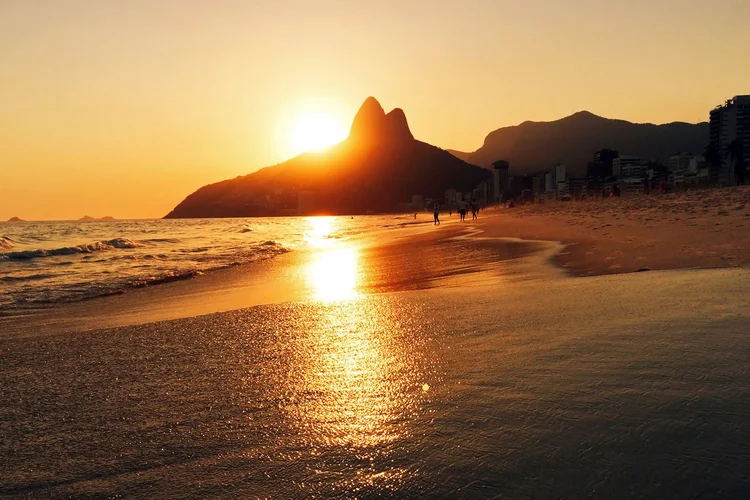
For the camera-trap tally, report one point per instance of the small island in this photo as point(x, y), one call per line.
point(16, 219)
point(88, 218)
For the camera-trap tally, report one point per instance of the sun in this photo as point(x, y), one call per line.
point(314, 130)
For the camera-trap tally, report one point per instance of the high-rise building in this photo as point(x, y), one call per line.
point(729, 122)
point(501, 180)
point(601, 167)
point(627, 166)
point(561, 180)
point(680, 163)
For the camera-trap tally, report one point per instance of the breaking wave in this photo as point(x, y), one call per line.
point(97, 246)
point(6, 243)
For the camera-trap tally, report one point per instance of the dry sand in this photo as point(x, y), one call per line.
point(693, 229)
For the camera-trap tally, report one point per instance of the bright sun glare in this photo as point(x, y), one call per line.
point(315, 130)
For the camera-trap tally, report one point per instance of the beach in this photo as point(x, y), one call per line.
point(699, 229)
point(503, 357)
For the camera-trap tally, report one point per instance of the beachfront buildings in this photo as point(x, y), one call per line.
point(681, 163)
point(601, 167)
point(627, 167)
point(556, 182)
point(686, 168)
point(450, 196)
point(729, 122)
point(500, 180)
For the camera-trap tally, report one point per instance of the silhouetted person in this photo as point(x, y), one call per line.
point(436, 213)
point(616, 191)
point(473, 210)
point(462, 210)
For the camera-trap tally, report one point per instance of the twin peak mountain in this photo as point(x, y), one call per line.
point(379, 166)
point(371, 123)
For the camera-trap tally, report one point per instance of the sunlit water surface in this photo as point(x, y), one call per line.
point(48, 263)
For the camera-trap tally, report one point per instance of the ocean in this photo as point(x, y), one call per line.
point(46, 263)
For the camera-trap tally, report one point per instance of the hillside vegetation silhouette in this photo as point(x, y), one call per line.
point(379, 166)
point(534, 146)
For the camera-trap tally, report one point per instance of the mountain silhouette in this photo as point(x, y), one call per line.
point(379, 166)
point(534, 146)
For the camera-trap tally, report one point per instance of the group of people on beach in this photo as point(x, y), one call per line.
point(463, 209)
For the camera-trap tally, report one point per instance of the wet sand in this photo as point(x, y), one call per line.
point(630, 386)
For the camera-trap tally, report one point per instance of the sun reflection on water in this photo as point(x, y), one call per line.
point(334, 271)
point(357, 373)
point(334, 275)
point(320, 231)
point(362, 380)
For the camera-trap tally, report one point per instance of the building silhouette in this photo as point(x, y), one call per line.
point(727, 123)
point(501, 180)
point(627, 166)
point(601, 167)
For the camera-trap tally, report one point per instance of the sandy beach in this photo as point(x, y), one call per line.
point(707, 228)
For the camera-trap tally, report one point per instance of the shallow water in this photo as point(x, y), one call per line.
point(44, 263)
point(616, 387)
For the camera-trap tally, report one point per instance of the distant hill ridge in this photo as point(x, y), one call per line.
point(88, 218)
point(534, 146)
point(379, 166)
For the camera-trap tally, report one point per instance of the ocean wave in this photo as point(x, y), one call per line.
point(30, 277)
point(6, 243)
point(168, 277)
point(272, 243)
point(195, 250)
point(97, 246)
point(160, 240)
point(105, 275)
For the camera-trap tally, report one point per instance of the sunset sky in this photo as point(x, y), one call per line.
point(123, 108)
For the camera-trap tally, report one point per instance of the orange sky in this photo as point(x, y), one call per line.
point(123, 108)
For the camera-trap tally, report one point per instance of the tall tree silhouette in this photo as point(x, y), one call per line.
point(736, 154)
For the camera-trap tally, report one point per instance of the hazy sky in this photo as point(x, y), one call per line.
point(124, 107)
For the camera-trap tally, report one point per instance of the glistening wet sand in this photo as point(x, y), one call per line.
point(631, 386)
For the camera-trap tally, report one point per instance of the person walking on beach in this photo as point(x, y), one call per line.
point(474, 210)
point(436, 213)
point(462, 210)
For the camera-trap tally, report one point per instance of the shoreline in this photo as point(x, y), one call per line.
point(415, 257)
point(550, 241)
